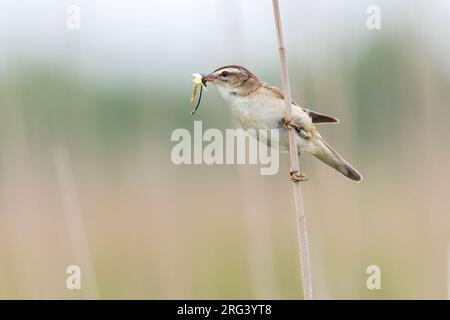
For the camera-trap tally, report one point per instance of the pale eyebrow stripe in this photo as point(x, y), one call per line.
point(230, 70)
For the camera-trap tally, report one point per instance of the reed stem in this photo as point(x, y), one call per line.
point(295, 166)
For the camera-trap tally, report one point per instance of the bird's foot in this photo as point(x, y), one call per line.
point(297, 176)
point(289, 123)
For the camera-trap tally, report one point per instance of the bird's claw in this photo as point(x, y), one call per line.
point(289, 123)
point(297, 176)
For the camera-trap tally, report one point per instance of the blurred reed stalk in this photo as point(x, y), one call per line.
point(74, 221)
point(295, 166)
point(448, 272)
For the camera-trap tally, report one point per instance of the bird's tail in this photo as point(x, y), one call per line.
point(325, 153)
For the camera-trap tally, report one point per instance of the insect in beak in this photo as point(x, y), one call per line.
point(199, 80)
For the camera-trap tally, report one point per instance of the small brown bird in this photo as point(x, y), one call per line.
point(257, 105)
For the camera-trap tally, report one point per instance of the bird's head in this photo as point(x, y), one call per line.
point(233, 80)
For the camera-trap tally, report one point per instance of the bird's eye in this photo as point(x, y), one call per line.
point(224, 74)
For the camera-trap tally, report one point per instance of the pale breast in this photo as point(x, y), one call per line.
point(258, 111)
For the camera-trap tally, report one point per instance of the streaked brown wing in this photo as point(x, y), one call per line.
point(316, 117)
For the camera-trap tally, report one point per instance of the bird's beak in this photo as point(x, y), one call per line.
point(210, 78)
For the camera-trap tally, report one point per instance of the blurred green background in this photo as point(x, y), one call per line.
point(86, 176)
